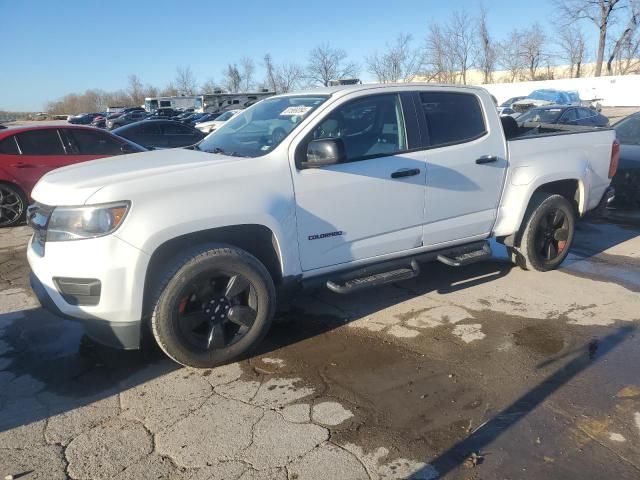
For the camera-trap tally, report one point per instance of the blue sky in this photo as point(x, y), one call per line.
point(54, 47)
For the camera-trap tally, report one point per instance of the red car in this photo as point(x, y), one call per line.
point(27, 153)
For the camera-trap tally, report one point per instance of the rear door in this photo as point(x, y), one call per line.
point(466, 165)
point(85, 144)
point(41, 151)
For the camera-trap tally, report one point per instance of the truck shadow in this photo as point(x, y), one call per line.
point(49, 367)
point(474, 446)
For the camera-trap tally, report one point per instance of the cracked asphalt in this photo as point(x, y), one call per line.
point(476, 373)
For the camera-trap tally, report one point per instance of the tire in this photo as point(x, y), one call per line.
point(193, 306)
point(13, 205)
point(546, 234)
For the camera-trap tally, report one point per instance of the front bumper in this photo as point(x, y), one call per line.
point(115, 320)
point(124, 335)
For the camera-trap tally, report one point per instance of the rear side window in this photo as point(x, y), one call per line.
point(150, 129)
point(570, 116)
point(176, 130)
point(88, 142)
point(40, 142)
point(585, 113)
point(452, 117)
point(8, 146)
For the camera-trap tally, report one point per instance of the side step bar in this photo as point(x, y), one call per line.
point(406, 268)
point(461, 256)
point(368, 277)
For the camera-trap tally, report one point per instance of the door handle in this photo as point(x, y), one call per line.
point(486, 159)
point(405, 172)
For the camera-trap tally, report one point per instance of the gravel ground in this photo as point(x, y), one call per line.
point(477, 373)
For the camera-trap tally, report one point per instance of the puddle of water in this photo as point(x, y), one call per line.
point(544, 338)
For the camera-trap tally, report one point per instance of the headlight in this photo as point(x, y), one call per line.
point(77, 223)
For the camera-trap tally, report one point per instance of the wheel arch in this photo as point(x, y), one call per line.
point(258, 240)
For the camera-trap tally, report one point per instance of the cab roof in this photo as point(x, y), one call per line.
point(341, 90)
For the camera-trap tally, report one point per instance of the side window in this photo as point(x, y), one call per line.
point(569, 116)
point(452, 117)
point(151, 129)
point(40, 142)
point(585, 113)
point(176, 129)
point(88, 142)
point(8, 146)
point(371, 126)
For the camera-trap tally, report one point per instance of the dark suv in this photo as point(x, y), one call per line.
point(126, 119)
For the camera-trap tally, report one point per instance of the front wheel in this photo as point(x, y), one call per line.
point(214, 305)
point(546, 234)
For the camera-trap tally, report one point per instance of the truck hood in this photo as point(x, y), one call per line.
point(75, 184)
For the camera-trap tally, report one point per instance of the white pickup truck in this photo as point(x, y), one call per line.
point(348, 187)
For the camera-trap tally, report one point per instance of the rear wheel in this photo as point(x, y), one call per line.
point(546, 234)
point(12, 205)
point(214, 305)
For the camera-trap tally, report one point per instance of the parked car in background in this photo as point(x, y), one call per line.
point(207, 117)
point(208, 127)
point(160, 134)
point(125, 119)
point(565, 115)
point(192, 119)
point(543, 97)
point(506, 107)
point(627, 180)
point(84, 118)
point(100, 121)
point(27, 153)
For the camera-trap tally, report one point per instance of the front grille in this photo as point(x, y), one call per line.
point(38, 216)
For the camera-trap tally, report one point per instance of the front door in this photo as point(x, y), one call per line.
point(466, 165)
point(371, 205)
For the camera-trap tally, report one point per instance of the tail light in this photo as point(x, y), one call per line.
point(615, 158)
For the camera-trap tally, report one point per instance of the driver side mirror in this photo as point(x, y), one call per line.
point(323, 152)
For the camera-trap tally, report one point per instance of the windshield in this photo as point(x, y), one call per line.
point(258, 130)
point(628, 130)
point(541, 115)
point(545, 95)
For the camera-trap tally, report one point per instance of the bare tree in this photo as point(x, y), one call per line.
point(510, 55)
point(572, 45)
point(135, 90)
point(439, 62)
point(282, 78)
point(270, 73)
point(248, 69)
point(601, 13)
point(487, 51)
point(150, 91)
point(169, 91)
point(399, 62)
point(462, 43)
point(327, 63)
point(626, 35)
point(532, 49)
point(232, 78)
point(185, 81)
point(209, 86)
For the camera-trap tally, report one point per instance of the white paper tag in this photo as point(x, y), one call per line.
point(295, 111)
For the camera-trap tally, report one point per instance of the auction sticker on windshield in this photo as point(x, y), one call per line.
point(296, 111)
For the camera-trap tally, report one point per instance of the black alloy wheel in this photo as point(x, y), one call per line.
point(12, 205)
point(216, 310)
